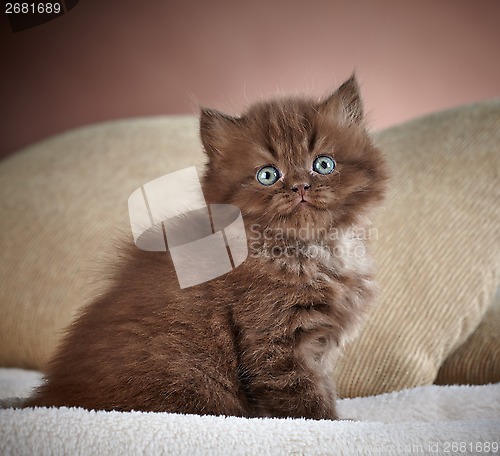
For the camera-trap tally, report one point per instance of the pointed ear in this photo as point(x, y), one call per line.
point(215, 127)
point(345, 102)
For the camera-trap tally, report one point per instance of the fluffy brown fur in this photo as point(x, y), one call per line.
point(262, 339)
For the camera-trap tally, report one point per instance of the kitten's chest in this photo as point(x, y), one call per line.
point(315, 264)
point(312, 294)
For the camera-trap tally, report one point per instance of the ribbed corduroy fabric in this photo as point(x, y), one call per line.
point(477, 360)
point(438, 249)
point(64, 205)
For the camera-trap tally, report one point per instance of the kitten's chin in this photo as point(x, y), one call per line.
point(306, 214)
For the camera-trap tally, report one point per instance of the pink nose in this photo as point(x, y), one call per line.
point(301, 189)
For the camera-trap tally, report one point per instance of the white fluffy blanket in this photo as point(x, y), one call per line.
point(425, 420)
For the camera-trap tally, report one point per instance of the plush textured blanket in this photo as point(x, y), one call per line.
point(425, 420)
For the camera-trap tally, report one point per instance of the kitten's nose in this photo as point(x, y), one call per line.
point(301, 189)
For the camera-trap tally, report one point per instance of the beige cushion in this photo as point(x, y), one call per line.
point(64, 203)
point(477, 360)
point(438, 249)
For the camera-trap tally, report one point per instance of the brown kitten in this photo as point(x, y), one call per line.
point(262, 339)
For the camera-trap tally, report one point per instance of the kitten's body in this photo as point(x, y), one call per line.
point(262, 339)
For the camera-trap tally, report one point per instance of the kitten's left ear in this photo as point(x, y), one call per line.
point(345, 102)
point(215, 128)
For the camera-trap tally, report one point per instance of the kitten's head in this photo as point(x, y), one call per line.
point(295, 163)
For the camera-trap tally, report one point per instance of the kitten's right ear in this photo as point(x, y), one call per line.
point(215, 129)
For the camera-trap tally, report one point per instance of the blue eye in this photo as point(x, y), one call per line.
point(268, 175)
point(324, 164)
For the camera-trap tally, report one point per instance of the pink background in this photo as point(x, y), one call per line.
point(109, 59)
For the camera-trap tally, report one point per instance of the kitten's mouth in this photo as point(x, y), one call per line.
point(303, 204)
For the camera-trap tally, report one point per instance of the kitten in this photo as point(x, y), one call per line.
point(262, 339)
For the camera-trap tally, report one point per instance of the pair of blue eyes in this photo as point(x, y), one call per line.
point(268, 175)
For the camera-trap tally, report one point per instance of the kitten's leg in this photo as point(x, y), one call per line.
point(284, 386)
point(204, 396)
point(293, 395)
